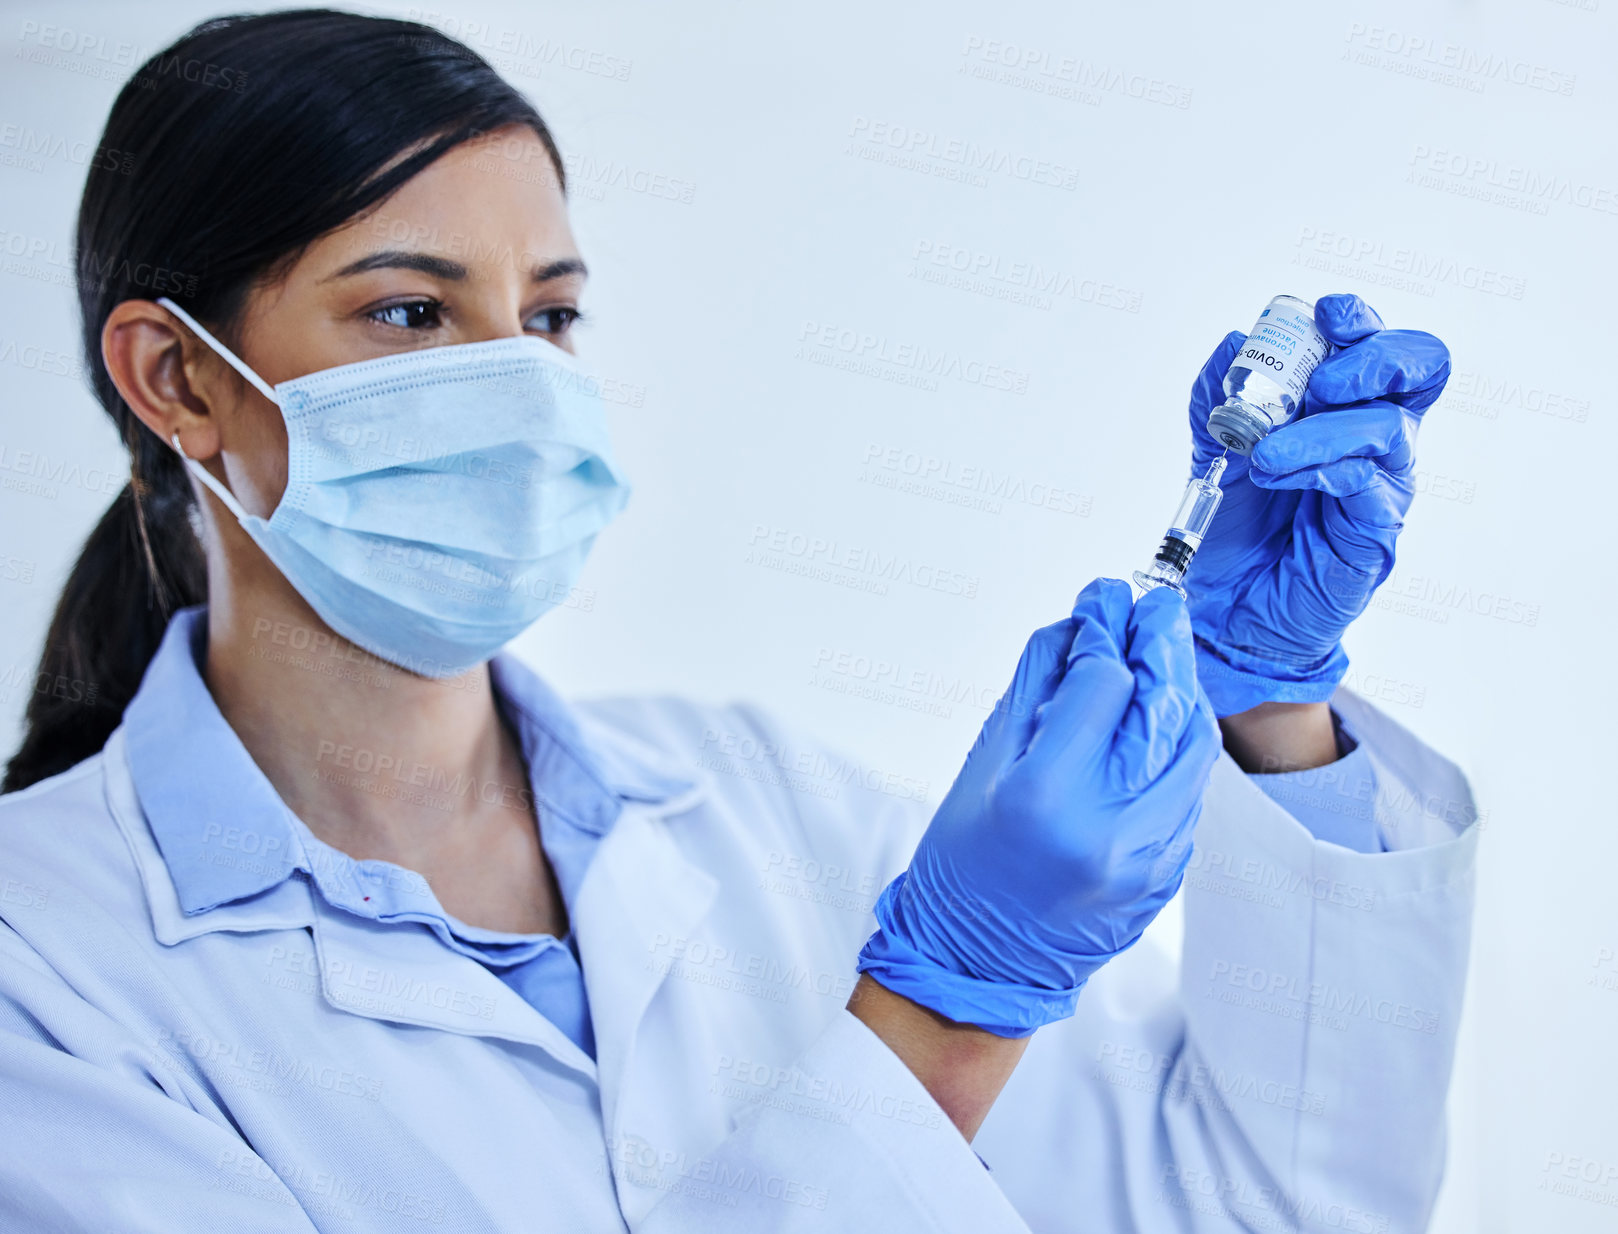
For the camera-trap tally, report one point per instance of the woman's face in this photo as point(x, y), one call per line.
point(475, 247)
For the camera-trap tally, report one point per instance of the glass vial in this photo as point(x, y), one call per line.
point(1265, 384)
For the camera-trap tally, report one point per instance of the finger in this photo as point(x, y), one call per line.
point(1371, 501)
point(1040, 667)
point(1361, 533)
point(1102, 611)
point(1408, 367)
point(1208, 392)
point(1343, 478)
point(1381, 432)
point(1361, 511)
point(1177, 793)
point(1171, 805)
point(1345, 319)
point(1163, 659)
point(1077, 724)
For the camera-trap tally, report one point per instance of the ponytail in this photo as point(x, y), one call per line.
point(208, 189)
point(141, 563)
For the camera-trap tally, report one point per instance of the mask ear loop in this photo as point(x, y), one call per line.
point(225, 353)
point(203, 474)
point(230, 358)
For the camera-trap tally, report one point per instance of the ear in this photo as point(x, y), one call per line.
point(169, 378)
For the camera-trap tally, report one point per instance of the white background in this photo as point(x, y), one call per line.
point(1315, 152)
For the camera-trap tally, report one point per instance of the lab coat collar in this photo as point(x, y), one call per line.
point(402, 974)
point(226, 835)
point(218, 822)
point(288, 905)
point(392, 971)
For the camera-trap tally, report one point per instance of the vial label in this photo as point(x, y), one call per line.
point(1285, 346)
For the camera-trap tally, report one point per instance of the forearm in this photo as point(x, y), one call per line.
point(963, 1067)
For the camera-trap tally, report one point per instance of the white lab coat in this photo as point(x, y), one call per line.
point(279, 1065)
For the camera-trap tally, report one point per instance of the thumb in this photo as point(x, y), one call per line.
point(1208, 392)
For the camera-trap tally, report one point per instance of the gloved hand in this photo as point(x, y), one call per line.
point(1068, 827)
point(1307, 527)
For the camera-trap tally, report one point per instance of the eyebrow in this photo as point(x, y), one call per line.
point(444, 268)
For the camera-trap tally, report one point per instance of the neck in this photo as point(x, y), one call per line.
point(376, 761)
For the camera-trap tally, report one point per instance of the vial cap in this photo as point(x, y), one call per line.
point(1233, 426)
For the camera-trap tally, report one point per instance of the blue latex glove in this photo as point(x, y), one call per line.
point(1307, 527)
point(1068, 827)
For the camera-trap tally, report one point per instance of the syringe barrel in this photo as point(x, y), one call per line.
point(1196, 512)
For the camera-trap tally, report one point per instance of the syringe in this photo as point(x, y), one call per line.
point(1185, 533)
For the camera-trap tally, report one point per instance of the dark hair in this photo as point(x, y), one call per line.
point(226, 155)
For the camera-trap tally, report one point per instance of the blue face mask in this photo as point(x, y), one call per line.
point(438, 501)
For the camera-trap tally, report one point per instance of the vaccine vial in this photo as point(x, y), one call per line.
point(1265, 384)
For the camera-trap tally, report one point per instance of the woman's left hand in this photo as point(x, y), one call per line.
point(1307, 528)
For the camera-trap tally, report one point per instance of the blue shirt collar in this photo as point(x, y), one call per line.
point(225, 833)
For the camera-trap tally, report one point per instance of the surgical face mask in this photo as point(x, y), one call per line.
point(438, 501)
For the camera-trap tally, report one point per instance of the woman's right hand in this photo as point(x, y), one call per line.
point(1068, 827)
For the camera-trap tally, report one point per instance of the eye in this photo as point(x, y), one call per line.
point(409, 314)
point(558, 320)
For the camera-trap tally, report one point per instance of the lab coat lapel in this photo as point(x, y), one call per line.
point(404, 974)
point(639, 893)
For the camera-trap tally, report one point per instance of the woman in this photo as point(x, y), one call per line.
point(331, 916)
